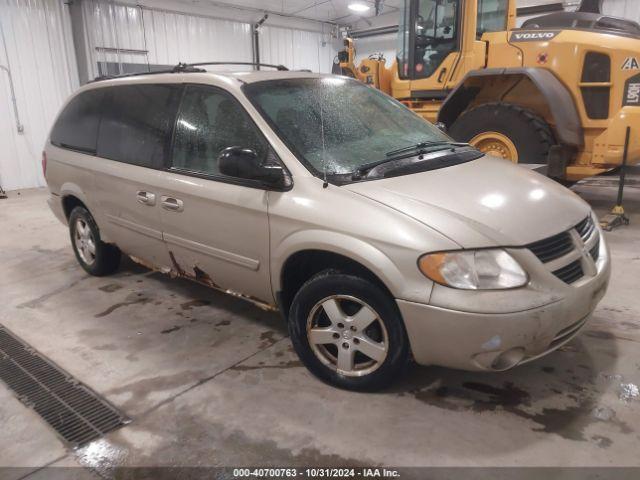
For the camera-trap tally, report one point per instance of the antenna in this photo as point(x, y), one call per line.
point(325, 183)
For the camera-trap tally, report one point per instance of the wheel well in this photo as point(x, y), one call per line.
point(69, 202)
point(301, 266)
point(515, 90)
point(535, 89)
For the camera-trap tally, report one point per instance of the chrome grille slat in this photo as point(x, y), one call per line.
point(570, 273)
point(557, 250)
point(553, 247)
point(585, 228)
point(595, 251)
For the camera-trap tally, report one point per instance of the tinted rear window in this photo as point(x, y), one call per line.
point(77, 125)
point(137, 123)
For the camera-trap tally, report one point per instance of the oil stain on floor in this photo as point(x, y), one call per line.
point(568, 422)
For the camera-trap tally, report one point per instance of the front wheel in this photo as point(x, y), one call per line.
point(348, 332)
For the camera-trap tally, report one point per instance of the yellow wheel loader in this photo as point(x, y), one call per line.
point(560, 90)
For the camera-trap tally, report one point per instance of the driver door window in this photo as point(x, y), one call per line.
point(436, 35)
point(209, 122)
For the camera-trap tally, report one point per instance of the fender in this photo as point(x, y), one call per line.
point(563, 109)
point(401, 286)
point(69, 188)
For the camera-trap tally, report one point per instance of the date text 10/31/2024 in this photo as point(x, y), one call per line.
point(315, 473)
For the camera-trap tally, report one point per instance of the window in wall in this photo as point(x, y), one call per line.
point(492, 16)
point(77, 125)
point(137, 123)
point(209, 122)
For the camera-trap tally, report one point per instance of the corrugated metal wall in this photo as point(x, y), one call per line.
point(122, 34)
point(129, 34)
point(622, 8)
point(41, 56)
point(37, 41)
point(175, 37)
point(297, 49)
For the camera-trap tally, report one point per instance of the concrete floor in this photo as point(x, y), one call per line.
point(208, 379)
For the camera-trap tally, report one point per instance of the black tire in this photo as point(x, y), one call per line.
point(531, 134)
point(331, 283)
point(106, 258)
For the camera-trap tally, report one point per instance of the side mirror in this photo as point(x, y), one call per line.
point(244, 163)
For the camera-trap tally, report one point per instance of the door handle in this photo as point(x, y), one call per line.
point(443, 72)
point(173, 204)
point(146, 198)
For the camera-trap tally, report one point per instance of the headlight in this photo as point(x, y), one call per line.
point(474, 269)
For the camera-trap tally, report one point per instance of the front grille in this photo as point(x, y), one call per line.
point(585, 228)
point(74, 411)
point(595, 251)
point(562, 244)
point(553, 247)
point(559, 245)
point(570, 273)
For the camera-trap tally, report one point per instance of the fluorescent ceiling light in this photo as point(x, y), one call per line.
point(358, 7)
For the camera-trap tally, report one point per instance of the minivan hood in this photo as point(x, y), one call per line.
point(482, 203)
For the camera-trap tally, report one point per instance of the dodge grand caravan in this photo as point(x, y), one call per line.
point(376, 236)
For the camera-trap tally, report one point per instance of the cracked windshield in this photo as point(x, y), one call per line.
point(337, 125)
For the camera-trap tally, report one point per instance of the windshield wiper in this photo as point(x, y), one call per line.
point(423, 145)
point(407, 152)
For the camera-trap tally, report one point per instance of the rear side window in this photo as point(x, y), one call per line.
point(77, 125)
point(137, 123)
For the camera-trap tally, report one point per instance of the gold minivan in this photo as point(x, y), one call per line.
point(377, 237)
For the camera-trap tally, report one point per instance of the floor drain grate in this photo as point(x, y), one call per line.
point(72, 409)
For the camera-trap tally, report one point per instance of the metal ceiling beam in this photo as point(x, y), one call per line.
point(263, 11)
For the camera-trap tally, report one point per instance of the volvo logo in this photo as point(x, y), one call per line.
point(533, 36)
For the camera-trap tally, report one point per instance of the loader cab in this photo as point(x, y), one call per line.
point(433, 34)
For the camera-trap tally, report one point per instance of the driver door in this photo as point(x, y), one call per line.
point(216, 227)
point(433, 48)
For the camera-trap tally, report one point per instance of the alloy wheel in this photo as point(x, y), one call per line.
point(347, 335)
point(84, 242)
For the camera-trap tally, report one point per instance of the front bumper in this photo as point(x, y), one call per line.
point(488, 341)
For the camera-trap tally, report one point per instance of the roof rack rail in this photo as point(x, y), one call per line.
point(190, 68)
point(182, 67)
point(136, 74)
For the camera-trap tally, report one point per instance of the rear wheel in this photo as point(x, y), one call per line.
point(348, 332)
point(95, 256)
point(505, 131)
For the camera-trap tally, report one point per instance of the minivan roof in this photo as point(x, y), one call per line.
point(248, 76)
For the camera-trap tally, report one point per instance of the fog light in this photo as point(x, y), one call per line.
point(508, 359)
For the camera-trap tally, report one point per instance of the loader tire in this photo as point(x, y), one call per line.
point(507, 131)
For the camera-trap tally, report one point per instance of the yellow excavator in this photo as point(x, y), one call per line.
point(560, 90)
